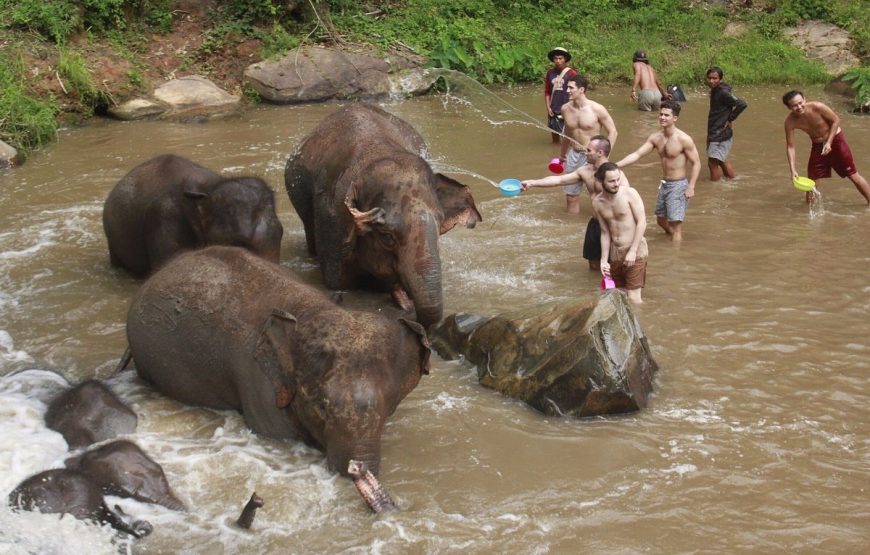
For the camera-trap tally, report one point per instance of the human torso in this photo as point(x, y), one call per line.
point(581, 122)
point(587, 177)
point(720, 109)
point(647, 75)
point(557, 82)
point(812, 123)
point(615, 213)
point(672, 151)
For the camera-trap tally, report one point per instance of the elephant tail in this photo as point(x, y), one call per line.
point(247, 517)
point(125, 360)
point(369, 487)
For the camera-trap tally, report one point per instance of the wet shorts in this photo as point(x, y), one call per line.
point(575, 159)
point(840, 158)
point(556, 123)
point(629, 277)
point(592, 241)
point(672, 202)
point(649, 100)
point(719, 151)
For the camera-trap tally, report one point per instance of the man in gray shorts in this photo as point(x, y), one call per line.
point(724, 109)
point(676, 149)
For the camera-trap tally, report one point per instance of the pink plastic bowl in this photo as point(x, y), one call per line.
point(556, 166)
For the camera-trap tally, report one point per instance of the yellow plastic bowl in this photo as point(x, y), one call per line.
point(803, 183)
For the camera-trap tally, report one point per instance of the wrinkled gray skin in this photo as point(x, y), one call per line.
point(67, 491)
point(169, 204)
point(89, 413)
point(372, 207)
point(222, 328)
point(121, 468)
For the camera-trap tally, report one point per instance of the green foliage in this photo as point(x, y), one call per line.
point(277, 42)
point(73, 71)
point(859, 79)
point(55, 21)
point(26, 122)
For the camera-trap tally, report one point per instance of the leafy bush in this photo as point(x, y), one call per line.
point(26, 123)
point(859, 79)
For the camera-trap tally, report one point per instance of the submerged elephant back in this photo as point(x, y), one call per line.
point(125, 212)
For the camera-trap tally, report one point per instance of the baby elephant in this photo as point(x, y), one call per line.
point(121, 468)
point(222, 328)
point(71, 492)
point(170, 204)
point(89, 413)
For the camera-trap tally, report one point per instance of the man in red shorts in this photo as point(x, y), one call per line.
point(830, 149)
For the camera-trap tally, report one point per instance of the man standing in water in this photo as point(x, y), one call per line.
point(724, 109)
point(620, 210)
point(676, 149)
point(584, 119)
point(597, 151)
point(556, 89)
point(646, 79)
point(829, 150)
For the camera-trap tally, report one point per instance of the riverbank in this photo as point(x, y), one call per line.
point(56, 68)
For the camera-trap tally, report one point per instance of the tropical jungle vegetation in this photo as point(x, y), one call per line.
point(63, 60)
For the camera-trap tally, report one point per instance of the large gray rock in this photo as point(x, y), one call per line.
point(194, 96)
point(826, 43)
point(580, 359)
point(8, 156)
point(314, 74)
point(138, 108)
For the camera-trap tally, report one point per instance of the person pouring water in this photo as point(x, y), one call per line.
point(556, 89)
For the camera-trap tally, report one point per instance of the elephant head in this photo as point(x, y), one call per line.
point(236, 212)
point(399, 208)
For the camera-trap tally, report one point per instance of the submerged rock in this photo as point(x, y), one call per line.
point(577, 359)
point(8, 156)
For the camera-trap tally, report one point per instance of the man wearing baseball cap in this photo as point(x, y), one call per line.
point(556, 89)
point(645, 78)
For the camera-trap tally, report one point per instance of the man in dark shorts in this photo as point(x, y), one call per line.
point(829, 150)
point(556, 89)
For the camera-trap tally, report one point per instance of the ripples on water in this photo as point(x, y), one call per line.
point(756, 439)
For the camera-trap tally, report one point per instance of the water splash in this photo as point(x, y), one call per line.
point(439, 166)
point(817, 207)
point(493, 108)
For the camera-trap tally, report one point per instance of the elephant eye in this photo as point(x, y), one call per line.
point(387, 240)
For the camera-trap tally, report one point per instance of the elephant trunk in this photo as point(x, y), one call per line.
point(420, 276)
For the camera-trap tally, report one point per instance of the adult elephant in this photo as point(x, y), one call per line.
point(169, 204)
point(372, 206)
point(222, 328)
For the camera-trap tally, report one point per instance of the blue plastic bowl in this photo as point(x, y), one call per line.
point(510, 187)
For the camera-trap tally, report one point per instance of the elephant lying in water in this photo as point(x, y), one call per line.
point(169, 204)
point(372, 206)
point(71, 492)
point(222, 328)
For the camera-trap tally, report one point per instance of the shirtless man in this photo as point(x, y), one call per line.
point(620, 210)
point(584, 118)
point(829, 150)
point(646, 79)
point(676, 149)
point(597, 151)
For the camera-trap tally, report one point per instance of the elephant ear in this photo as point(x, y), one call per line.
point(272, 353)
point(194, 207)
point(424, 341)
point(456, 203)
point(363, 222)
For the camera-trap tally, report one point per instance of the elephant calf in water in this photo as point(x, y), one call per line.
point(222, 328)
point(169, 204)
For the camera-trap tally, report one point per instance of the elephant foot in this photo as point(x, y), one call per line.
point(247, 517)
point(400, 296)
point(369, 487)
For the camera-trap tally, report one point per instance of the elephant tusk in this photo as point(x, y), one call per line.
point(369, 487)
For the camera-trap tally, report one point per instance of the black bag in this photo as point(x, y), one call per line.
point(677, 93)
point(556, 123)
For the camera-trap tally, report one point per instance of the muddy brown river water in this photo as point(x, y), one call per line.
point(757, 439)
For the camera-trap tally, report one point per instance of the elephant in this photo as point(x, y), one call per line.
point(225, 329)
point(372, 207)
point(121, 468)
point(67, 491)
point(89, 413)
point(169, 204)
